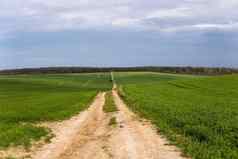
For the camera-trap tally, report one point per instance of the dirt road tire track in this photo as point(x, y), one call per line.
point(139, 140)
point(89, 136)
point(69, 131)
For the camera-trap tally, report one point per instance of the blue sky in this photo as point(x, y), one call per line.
point(36, 33)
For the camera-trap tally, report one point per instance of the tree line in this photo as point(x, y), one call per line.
point(179, 70)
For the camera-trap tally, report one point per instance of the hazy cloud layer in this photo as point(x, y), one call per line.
point(161, 15)
point(94, 32)
point(119, 48)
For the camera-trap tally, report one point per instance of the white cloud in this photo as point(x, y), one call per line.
point(223, 27)
point(22, 15)
point(218, 26)
point(125, 22)
point(228, 3)
point(170, 13)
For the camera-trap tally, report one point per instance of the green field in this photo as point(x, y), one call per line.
point(197, 113)
point(28, 99)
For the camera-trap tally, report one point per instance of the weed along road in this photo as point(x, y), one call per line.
point(110, 133)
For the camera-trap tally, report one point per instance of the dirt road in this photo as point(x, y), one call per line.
point(89, 136)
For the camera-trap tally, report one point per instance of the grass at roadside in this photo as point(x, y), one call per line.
point(199, 114)
point(109, 105)
point(28, 99)
point(113, 121)
point(13, 134)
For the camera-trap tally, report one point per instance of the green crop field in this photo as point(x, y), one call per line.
point(28, 99)
point(197, 113)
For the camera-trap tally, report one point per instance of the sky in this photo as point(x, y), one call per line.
point(37, 33)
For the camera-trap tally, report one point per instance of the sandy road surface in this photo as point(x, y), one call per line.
point(89, 136)
point(77, 129)
point(138, 140)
